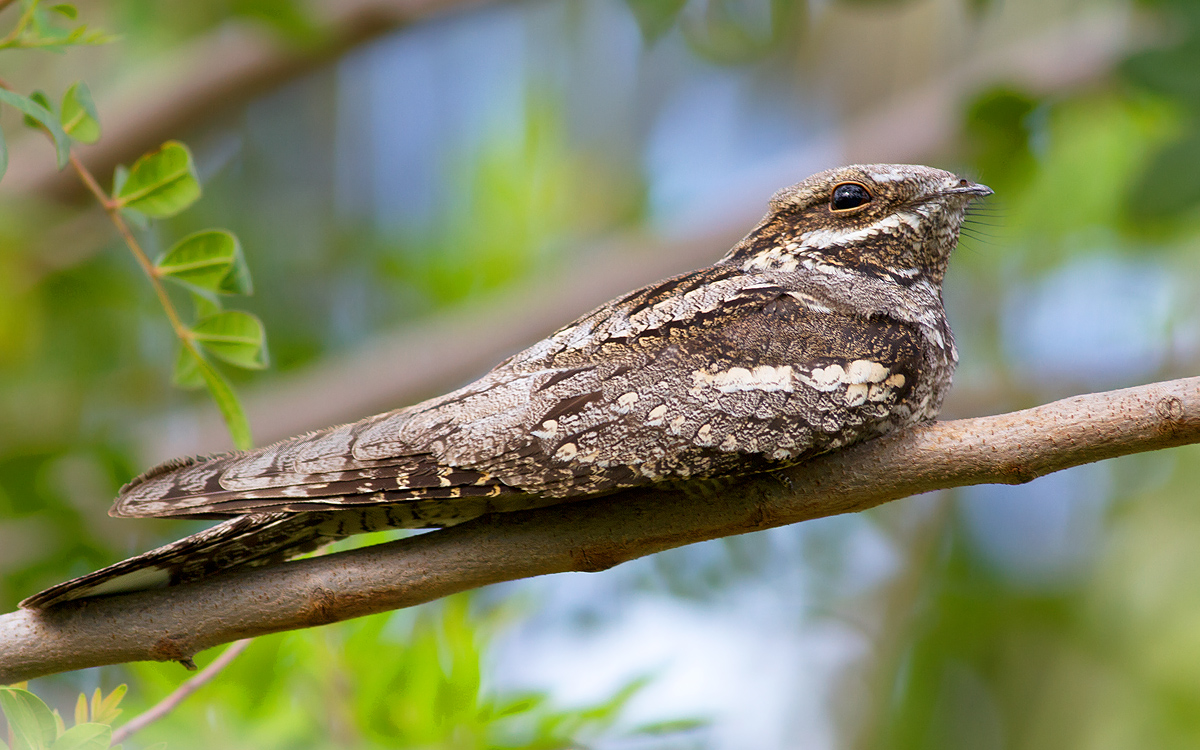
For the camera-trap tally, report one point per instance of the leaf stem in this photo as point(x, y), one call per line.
point(19, 29)
point(231, 410)
point(112, 208)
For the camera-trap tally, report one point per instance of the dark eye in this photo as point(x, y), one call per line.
point(849, 195)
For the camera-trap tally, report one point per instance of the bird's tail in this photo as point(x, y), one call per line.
point(244, 541)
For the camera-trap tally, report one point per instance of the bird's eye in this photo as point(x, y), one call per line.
point(849, 195)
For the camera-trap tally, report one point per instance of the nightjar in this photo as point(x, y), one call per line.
point(823, 327)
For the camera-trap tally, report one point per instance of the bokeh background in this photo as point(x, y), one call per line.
point(424, 186)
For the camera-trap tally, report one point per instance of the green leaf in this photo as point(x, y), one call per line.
point(187, 373)
point(79, 117)
point(90, 736)
point(234, 336)
point(108, 712)
point(97, 696)
point(161, 183)
point(120, 177)
point(44, 117)
point(210, 260)
point(59, 725)
point(671, 726)
point(63, 9)
point(238, 281)
point(38, 97)
point(30, 720)
point(81, 709)
point(135, 217)
point(227, 402)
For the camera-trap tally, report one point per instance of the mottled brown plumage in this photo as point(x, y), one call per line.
point(823, 327)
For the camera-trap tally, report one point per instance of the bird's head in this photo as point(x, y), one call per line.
point(896, 219)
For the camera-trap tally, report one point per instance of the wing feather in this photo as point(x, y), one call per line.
point(701, 375)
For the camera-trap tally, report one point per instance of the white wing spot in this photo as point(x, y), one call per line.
point(704, 435)
point(827, 378)
point(626, 402)
point(865, 371)
point(566, 451)
point(676, 424)
point(761, 378)
point(549, 427)
point(655, 417)
point(856, 394)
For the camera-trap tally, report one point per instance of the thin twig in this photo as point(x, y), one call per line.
point(113, 209)
point(22, 22)
point(169, 704)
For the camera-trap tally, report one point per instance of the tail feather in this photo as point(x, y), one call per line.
point(249, 540)
point(245, 541)
point(263, 538)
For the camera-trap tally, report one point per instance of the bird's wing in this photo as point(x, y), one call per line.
point(703, 374)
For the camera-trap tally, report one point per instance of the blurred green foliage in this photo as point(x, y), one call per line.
point(1167, 187)
point(429, 690)
point(655, 17)
point(1107, 658)
point(1107, 661)
point(413, 678)
point(160, 184)
point(32, 725)
point(516, 198)
point(50, 27)
point(982, 659)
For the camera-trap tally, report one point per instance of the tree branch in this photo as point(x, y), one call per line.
point(592, 535)
point(213, 73)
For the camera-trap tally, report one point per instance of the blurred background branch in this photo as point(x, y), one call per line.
point(222, 70)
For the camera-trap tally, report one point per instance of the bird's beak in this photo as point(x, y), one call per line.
point(966, 187)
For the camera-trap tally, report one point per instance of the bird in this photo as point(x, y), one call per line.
point(823, 327)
